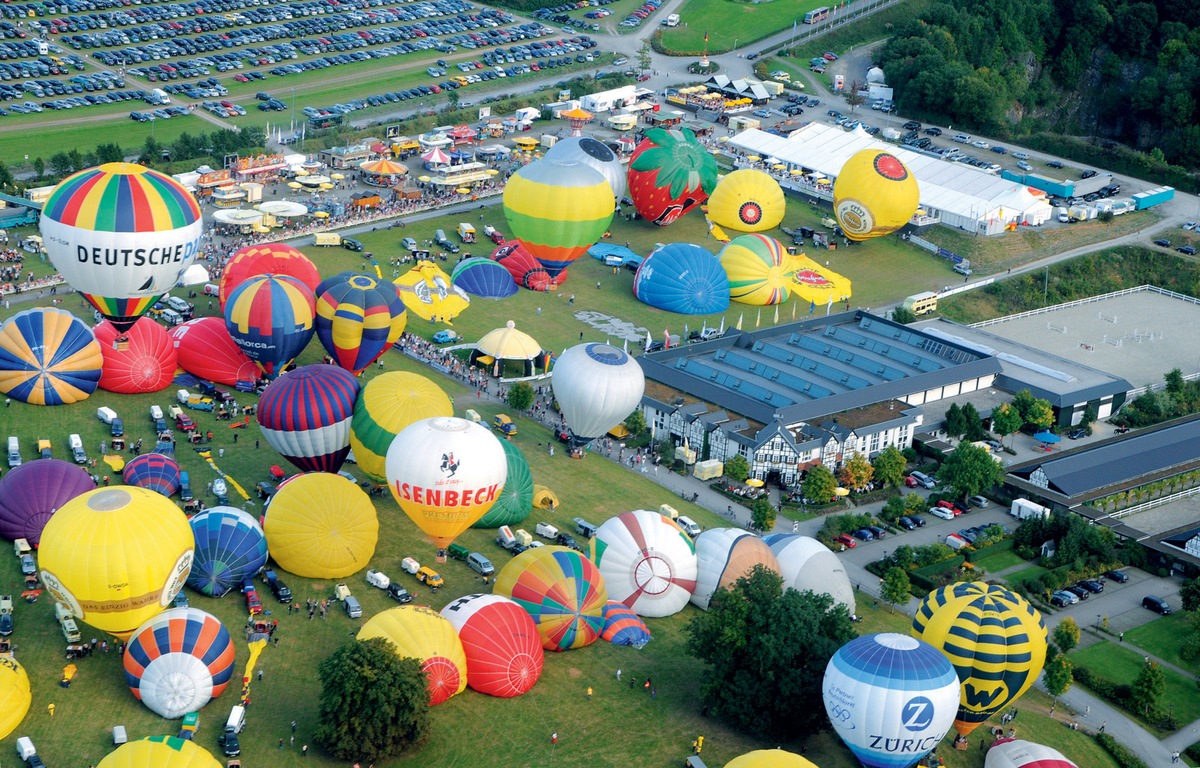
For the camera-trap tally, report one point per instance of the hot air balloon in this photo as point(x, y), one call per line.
point(178, 661)
point(144, 360)
point(503, 649)
point(890, 698)
point(271, 320)
point(48, 357)
point(230, 547)
point(483, 277)
point(807, 565)
point(726, 555)
point(597, 387)
point(526, 271)
point(267, 259)
point(321, 526)
point(589, 151)
point(647, 561)
point(747, 200)
point(515, 501)
point(759, 269)
point(359, 317)
point(121, 234)
point(622, 626)
point(153, 471)
point(769, 758)
point(995, 640)
point(305, 415)
point(670, 173)
point(1017, 753)
point(558, 210)
point(30, 494)
point(422, 633)
point(116, 556)
point(428, 293)
point(816, 284)
point(561, 590)
point(388, 404)
point(682, 278)
point(874, 194)
point(15, 694)
point(160, 752)
point(445, 473)
point(206, 349)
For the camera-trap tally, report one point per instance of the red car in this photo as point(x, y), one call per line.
point(253, 604)
point(910, 481)
point(950, 505)
point(846, 541)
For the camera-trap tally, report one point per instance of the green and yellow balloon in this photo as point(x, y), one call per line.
point(759, 268)
point(995, 640)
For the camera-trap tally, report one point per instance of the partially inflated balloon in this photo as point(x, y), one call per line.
point(516, 498)
point(683, 278)
point(526, 271)
point(321, 526)
point(597, 386)
point(206, 349)
point(589, 151)
point(154, 471)
point(748, 200)
point(271, 320)
point(504, 652)
point(561, 590)
point(483, 277)
point(995, 640)
point(48, 357)
point(388, 404)
point(160, 752)
point(446, 473)
point(874, 194)
point(178, 661)
point(116, 556)
point(230, 547)
point(558, 210)
point(305, 415)
point(623, 627)
point(759, 268)
point(121, 234)
point(423, 634)
point(807, 565)
point(15, 695)
point(670, 173)
point(1017, 753)
point(267, 259)
point(32, 492)
point(648, 562)
point(726, 555)
point(144, 360)
point(359, 317)
point(429, 294)
point(769, 758)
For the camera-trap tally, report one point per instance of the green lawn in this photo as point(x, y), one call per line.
point(730, 24)
point(1025, 574)
point(1163, 638)
point(999, 561)
point(1121, 664)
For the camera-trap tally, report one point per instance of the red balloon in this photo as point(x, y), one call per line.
point(144, 359)
point(206, 349)
point(503, 648)
point(267, 259)
point(527, 271)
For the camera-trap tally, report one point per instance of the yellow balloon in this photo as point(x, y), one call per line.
point(160, 752)
point(14, 695)
point(424, 634)
point(748, 200)
point(874, 194)
point(321, 526)
point(116, 556)
point(387, 405)
point(759, 268)
point(769, 758)
point(429, 294)
point(995, 640)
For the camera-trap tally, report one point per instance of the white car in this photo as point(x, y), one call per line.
point(980, 144)
point(942, 512)
point(1024, 166)
point(1190, 225)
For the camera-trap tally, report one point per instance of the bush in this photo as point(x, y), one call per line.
point(1121, 754)
point(1193, 752)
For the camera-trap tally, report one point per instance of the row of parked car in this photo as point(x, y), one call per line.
point(640, 14)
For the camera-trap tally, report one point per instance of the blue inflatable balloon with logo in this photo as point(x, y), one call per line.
point(891, 698)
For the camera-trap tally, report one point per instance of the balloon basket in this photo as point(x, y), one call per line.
point(441, 556)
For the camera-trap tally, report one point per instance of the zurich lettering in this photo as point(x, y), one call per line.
point(904, 745)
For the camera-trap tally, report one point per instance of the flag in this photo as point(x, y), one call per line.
point(776, 314)
point(829, 306)
point(793, 310)
point(739, 322)
point(812, 306)
point(706, 38)
point(627, 346)
point(666, 338)
point(722, 331)
point(649, 340)
point(758, 318)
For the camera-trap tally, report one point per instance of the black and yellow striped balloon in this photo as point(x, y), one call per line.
point(995, 640)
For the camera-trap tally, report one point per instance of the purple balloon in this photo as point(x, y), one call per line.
point(32, 492)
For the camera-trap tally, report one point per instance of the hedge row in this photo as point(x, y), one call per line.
point(1124, 757)
point(925, 577)
point(1003, 545)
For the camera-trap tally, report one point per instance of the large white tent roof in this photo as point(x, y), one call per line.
point(952, 187)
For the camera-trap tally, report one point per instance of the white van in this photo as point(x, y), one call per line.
point(155, 413)
point(76, 445)
point(14, 451)
point(106, 415)
point(546, 531)
point(171, 318)
point(688, 525)
point(237, 719)
point(180, 305)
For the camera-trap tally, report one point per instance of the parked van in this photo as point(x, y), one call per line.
point(480, 564)
point(106, 415)
point(666, 510)
point(353, 609)
point(14, 451)
point(25, 748)
point(237, 719)
point(70, 629)
point(156, 413)
point(584, 528)
point(546, 531)
point(505, 538)
point(688, 525)
point(327, 239)
point(924, 480)
point(116, 428)
point(185, 486)
point(171, 318)
point(77, 452)
point(962, 138)
point(181, 306)
point(1156, 604)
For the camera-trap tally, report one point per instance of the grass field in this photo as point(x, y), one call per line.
point(1163, 638)
point(999, 562)
point(730, 24)
point(1121, 664)
point(1025, 574)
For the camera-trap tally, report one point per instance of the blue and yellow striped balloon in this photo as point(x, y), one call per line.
point(270, 317)
point(995, 640)
point(48, 357)
point(359, 317)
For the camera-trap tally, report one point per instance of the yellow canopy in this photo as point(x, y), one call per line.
point(384, 167)
point(544, 498)
point(508, 343)
point(428, 293)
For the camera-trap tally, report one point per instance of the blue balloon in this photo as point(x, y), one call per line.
point(683, 278)
point(624, 627)
point(483, 277)
point(155, 471)
point(230, 546)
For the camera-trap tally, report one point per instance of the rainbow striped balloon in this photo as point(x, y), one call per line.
point(121, 234)
point(558, 210)
point(995, 640)
point(760, 270)
point(270, 317)
point(561, 590)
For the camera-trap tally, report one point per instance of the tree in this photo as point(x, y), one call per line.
point(970, 470)
point(452, 98)
point(857, 472)
point(60, 164)
point(955, 424)
point(972, 424)
point(854, 95)
point(903, 316)
point(818, 485)
point(1066, 635)
point(737, 468)
point(1023, 401)
point(1057, 675)
point(889, 466)
point(39, 167)
point(636, 422)
point(643, 55)
point(762, 515)
point(520, 396)
point(1189, 593)
point(6, 176)
point(1148, 687)
point(896, 586)
point(767, 645)
point(1006, 420)
point(1041, 415)
point(374, 704)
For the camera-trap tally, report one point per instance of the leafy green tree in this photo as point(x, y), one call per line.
point(857, 472)
point(972, 424)
point(636, 422)
point(1023, 401)
point(520, 396)
point(39, 167)
point(915, 503)
point(1058, 675)
point(896, 586)
point(1041, 414)
point(60, 164)
point(1189, 593)
point(643, 55)
point(893, 508)
point(737, 468)
point(889, 466)
point(969, 469)
point(374, 704)
point(818, 485)
point(955, 424)
point(764, 644)
point(75, 160)
point(1006, 419)
point(1148, 687)
point(854, 95)
point(762, 516)
point(903, 316)
point(6, 177)
point(1066, 635)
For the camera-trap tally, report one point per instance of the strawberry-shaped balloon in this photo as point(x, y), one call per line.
point(670, 174)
